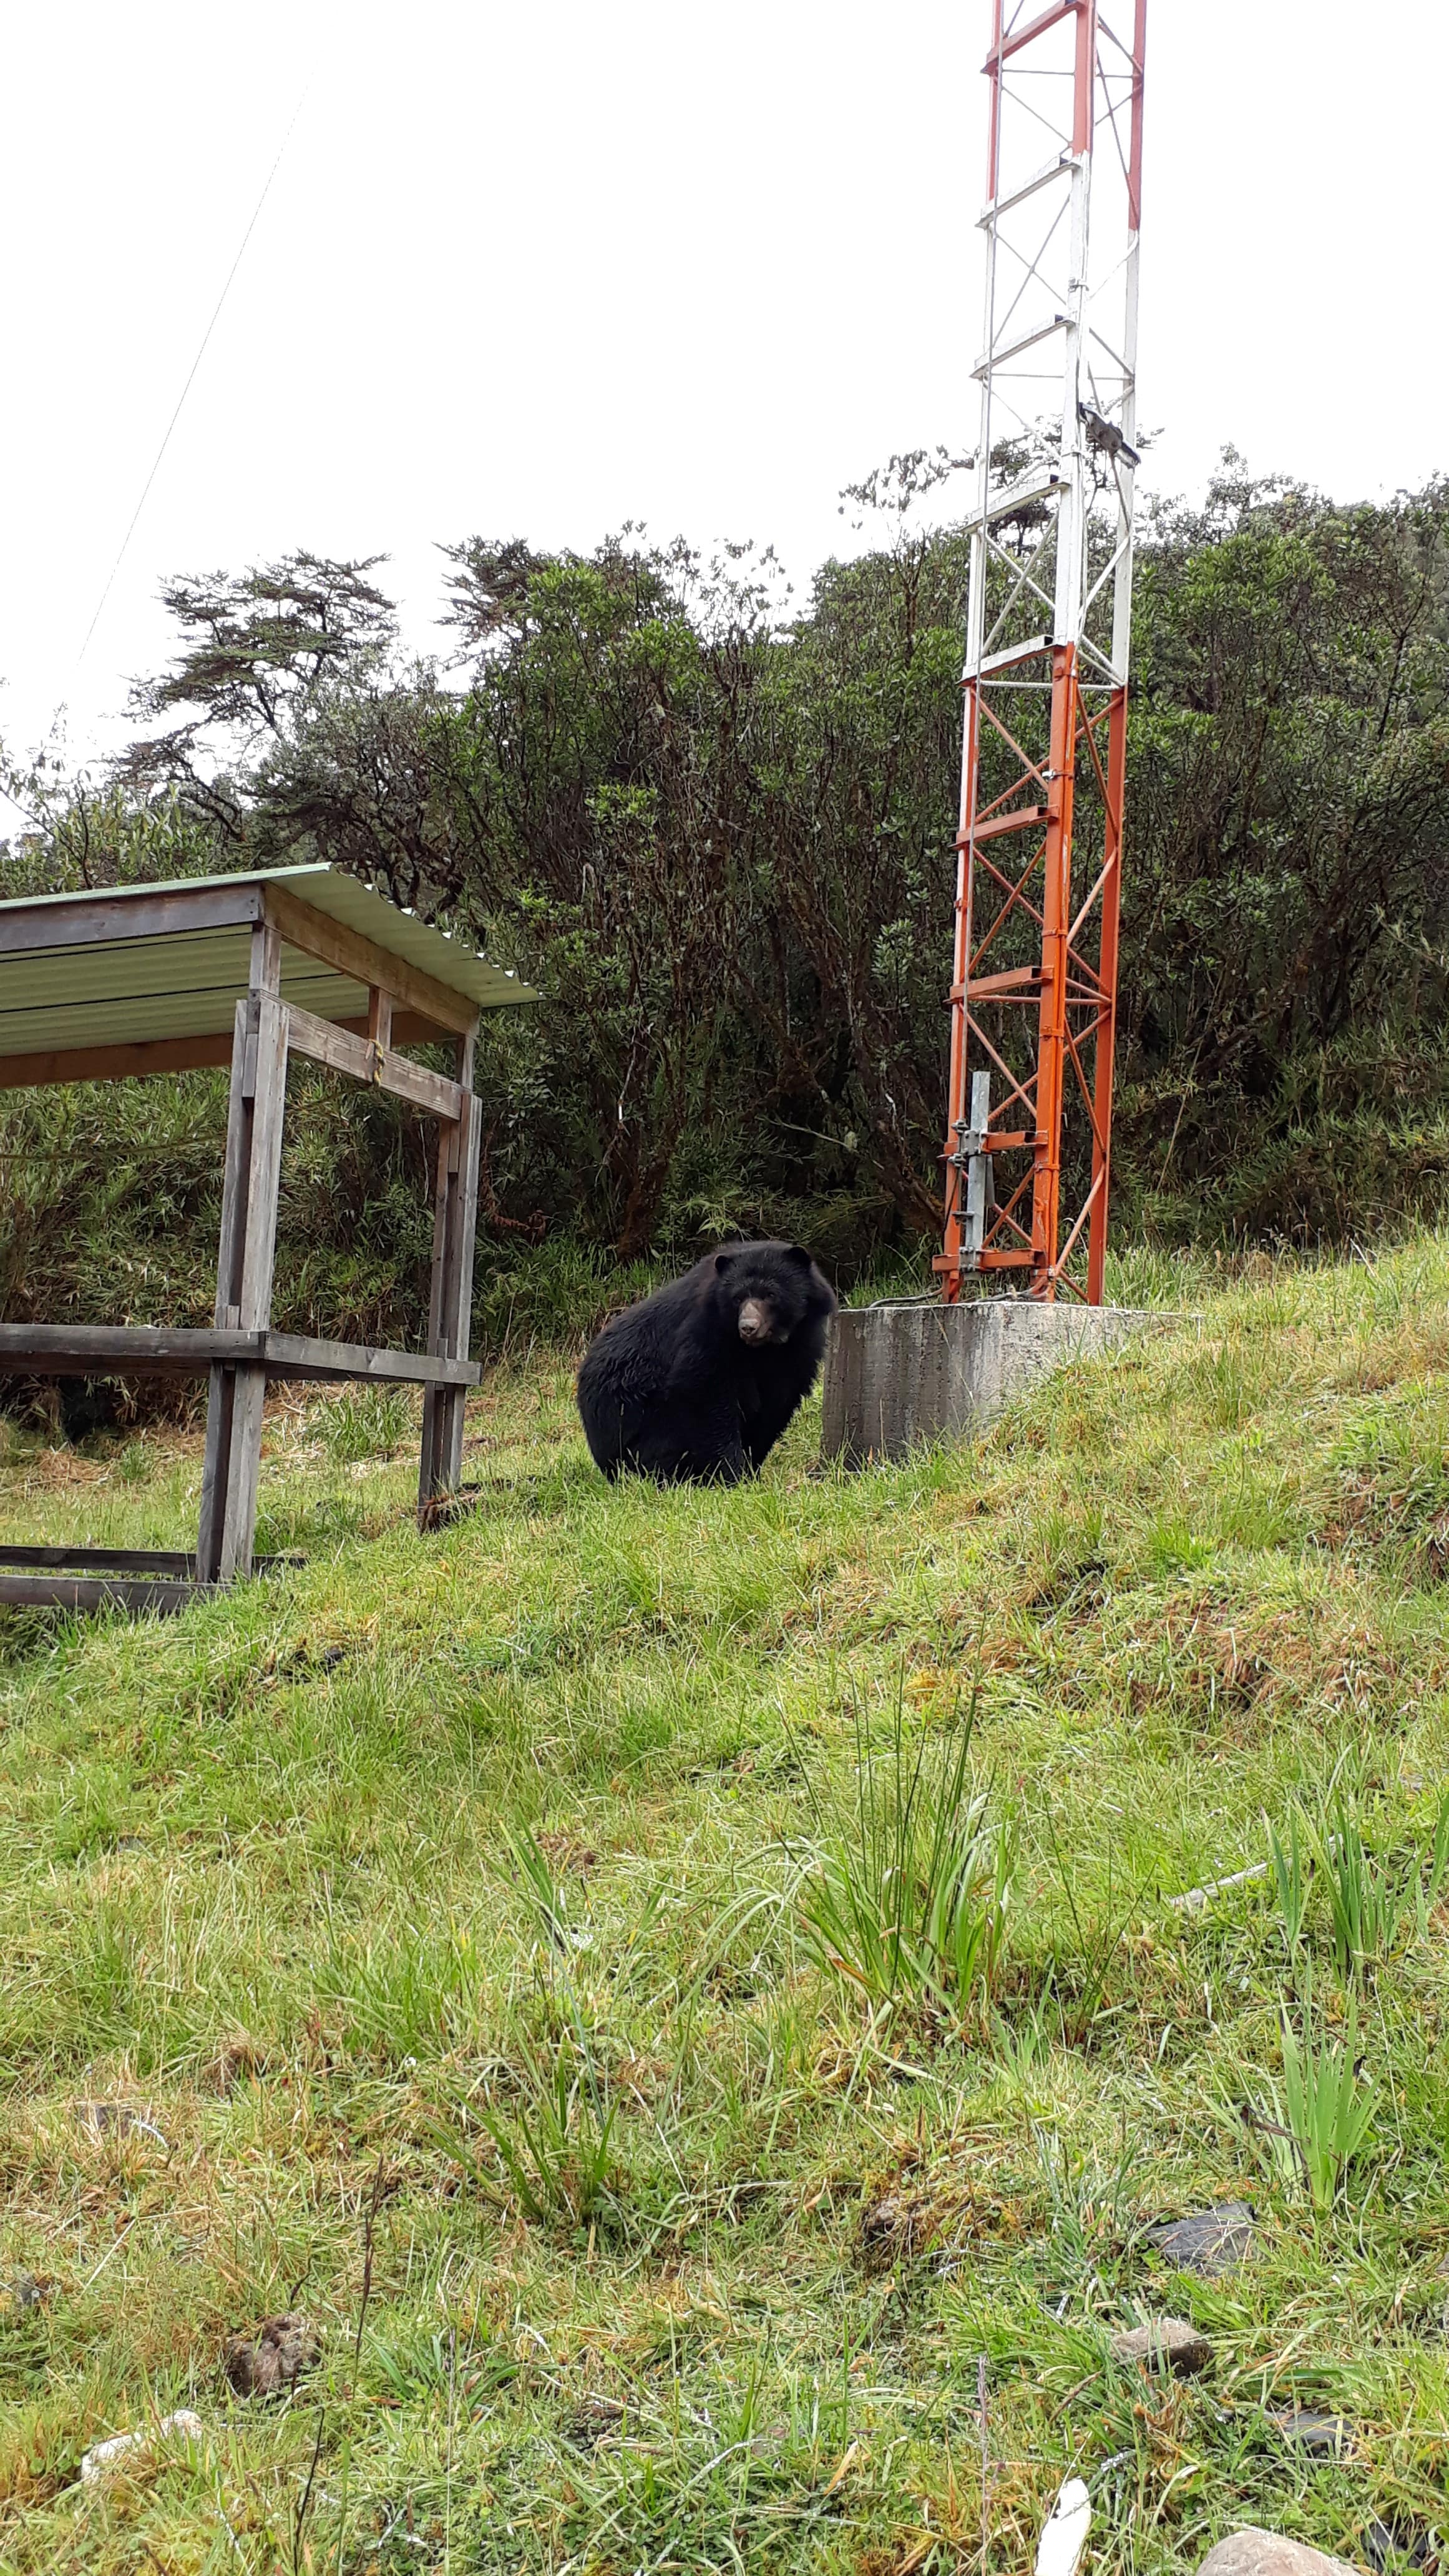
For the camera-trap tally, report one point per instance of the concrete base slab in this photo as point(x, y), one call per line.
point(899, 1373)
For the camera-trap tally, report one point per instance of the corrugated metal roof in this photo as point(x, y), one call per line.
point(185, 983)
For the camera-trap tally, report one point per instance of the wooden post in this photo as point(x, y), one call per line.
point(244, 1267)
point(450, 1307)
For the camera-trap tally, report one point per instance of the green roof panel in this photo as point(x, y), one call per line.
point(185, 982)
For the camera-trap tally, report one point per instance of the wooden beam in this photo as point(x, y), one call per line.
point(245, 1260)
point(154, 1350)
point(99, 1592)
point(450, 1312)
point(303, 1355)
point(114, 1063)
point(122, 1560)
point(96, 920)
point(148, 1056)
point(326, 1042)
point(348, 953)
point(118, 1350)
point(104, 1560)
point(264, 1180)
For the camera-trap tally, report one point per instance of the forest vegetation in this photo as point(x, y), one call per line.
point(717, 833)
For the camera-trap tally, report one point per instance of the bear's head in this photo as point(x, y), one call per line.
point(770, 1290)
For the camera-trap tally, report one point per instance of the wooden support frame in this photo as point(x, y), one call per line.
point(244, 1270)
point(93, 921)
point(317, 935)
point(143, 1058)
point(450, 1305)
point(156, 1350)
point(241, 1352)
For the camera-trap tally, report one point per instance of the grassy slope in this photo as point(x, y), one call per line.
point(253, 1883)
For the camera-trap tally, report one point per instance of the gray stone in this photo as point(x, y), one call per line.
point(904, 1371)
point(1266, 2553)
point(1164, 2343)
point(1323, 2437)
point(1395, 2539)
point(1210, 2241)
point(25, 2291)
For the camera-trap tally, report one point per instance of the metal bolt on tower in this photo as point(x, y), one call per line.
point(1034, 988)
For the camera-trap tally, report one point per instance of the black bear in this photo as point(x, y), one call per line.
point(695, 1384)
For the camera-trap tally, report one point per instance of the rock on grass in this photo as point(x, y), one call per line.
point(1164, 2343)
point(1307, 2429)
point(1210, 2241)
point(1267, 2553)
point(268, 2362)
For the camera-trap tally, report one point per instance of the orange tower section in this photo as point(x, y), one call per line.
point(1028, 1152)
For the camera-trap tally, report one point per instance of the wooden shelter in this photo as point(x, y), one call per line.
point(245, 971)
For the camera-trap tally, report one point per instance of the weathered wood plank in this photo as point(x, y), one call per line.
point(144, 1350)
point(266, 965)
point(106, 1560)
point(297, 1355)
point(450, 1305)
point(318, 935)
point(458, 1295)
point(327, 1042)
point(265, 1172)
point(243, 1473)
point(236, 1164)
point(129, 1560)
point(264, 1090)
point(140, 1061)
point(430, 1459)
point(111, 915)
point(113, 1063)
point(221, 1391)
point(98, 1592)
point(121, 1350)
point(221, 1387)
point(461, 1283)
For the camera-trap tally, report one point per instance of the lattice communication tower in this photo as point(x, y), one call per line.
point(1034, 988)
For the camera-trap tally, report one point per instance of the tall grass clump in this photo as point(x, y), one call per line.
point(1376, 1900)
point(908, 1898)
point(1325, 2112)
point(1373, 1898)
point(554, 2140)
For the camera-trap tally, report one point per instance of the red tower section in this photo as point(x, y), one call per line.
point(1034, 990)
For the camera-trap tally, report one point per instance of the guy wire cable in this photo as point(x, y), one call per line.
point(195, 363)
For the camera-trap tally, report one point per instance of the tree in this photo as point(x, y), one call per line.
point(257, 647)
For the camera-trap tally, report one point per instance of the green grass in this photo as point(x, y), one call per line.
point(445, 1909)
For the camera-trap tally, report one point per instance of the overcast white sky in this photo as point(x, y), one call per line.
point(538, 270)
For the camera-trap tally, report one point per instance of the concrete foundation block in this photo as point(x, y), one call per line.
point(896, 1374)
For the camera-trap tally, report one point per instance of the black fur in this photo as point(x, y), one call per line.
point(672, 1389)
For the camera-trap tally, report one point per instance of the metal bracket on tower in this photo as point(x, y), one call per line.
point(972, 1159)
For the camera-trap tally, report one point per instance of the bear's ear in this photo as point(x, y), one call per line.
point(797, 1252)
point(722, 1261)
